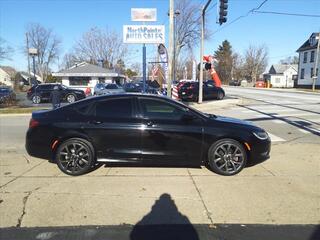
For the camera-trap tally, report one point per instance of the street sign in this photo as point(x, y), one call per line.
point(144, 14)
point(33, 51)
point(143, 34)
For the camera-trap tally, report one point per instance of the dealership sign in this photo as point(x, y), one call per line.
point(144, 14)
point(143, 34)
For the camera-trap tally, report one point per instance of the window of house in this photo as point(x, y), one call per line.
point(317, 72)
point(277, 80)
point(312, 57)
point(311, 72)
point(79, 81)
point(302, 73)
point(120, 108)
point(305, 57)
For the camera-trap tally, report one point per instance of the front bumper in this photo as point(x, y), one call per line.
point(260, 151)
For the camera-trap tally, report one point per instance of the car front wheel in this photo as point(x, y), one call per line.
point(71, 98)
point(220, 95)
point(75, 157)
point(227, 157)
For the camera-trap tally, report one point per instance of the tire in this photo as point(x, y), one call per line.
point(71, 98)
point(75, 157)
point(36, 99)
point(227, 157)
point(220, 95)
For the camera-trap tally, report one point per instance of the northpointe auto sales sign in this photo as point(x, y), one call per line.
point(143, 34)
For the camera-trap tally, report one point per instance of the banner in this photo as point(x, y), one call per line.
point(164, 59)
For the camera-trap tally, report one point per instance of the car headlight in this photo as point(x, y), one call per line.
point(261, 135)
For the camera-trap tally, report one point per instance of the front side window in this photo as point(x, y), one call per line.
point(157, 109)
point(120, 108)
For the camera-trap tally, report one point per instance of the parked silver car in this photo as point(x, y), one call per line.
point(107, 88)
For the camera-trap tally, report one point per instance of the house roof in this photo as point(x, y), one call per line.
point(87, 69)
point(281, 68)
point(9, 70)
point(311, 43)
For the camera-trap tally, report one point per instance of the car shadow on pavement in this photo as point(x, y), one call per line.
point(164, 222)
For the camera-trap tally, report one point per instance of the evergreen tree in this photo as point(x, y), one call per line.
point(224, 57)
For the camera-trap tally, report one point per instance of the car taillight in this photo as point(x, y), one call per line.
point(33, 123)
point(29, 91)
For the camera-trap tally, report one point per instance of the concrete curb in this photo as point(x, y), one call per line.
point(292, 90)
point(15, 114)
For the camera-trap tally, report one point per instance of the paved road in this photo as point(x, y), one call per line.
point(281, 195)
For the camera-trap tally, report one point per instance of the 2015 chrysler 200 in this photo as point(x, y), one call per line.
point(142, 129)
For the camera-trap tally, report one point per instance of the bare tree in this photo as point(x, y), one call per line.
point(47, 44)
point(188, 25)
point(238, 67)
point(98, 44)
point(255, 61)
point(5, 50)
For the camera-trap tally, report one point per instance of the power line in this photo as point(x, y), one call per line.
point(242, 16)
point(289, 14)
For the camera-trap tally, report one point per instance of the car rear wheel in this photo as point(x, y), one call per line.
point(227, 157)
point(75, 157)
point(71, 98)
point(36, 99)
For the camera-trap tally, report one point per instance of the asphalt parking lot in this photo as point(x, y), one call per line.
point(280, 195)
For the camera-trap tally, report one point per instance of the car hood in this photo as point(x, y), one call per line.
point(235, 121)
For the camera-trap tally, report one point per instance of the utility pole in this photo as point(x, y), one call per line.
point(314, 75)
point(27, 39)
point(201, 50)
point(171, 47)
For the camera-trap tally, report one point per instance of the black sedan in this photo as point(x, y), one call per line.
point(190, 91)
point(142, 129)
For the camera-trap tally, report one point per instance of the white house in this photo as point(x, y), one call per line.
point(83, 75)
point(6, 75)
point(282, 75)
point(307, 60)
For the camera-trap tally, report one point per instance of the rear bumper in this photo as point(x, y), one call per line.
point(36, 147)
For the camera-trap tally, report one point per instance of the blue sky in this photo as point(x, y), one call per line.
point(71, 18)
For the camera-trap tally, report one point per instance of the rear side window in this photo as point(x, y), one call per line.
point(45, 87)
point(120, 108)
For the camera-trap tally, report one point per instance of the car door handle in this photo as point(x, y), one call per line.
point(95, 122)
point(150, 124)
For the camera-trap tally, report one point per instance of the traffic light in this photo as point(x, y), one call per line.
point(206, 66)
point(223, 7)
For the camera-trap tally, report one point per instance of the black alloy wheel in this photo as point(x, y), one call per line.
point(227, 157)
point(75, 156)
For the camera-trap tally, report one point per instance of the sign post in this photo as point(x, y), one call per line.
point(145, 34)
